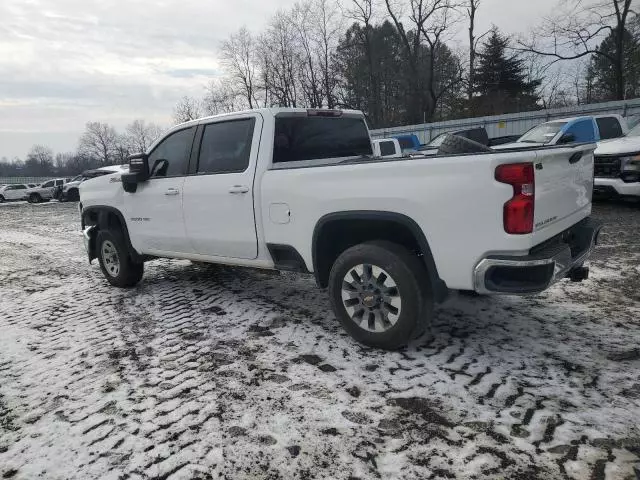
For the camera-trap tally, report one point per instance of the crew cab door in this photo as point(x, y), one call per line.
point(218, 195)
point(154, 212)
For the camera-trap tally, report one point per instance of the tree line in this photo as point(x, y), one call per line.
point(396, 61)
point(100, 145)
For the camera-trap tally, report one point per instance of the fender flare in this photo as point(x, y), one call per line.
point(103, 212)
point(440, 289)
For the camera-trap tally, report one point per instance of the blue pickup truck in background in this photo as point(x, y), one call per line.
point(570, 130)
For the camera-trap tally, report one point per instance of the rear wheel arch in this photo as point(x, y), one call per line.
point(336, 232)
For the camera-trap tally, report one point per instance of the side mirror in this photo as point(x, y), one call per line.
point(138, 172)
point(567, 138)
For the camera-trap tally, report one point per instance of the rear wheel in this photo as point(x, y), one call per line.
point(1, 199)
point(115, 262)
point(380, 293)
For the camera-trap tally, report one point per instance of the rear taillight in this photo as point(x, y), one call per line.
point(518, 212)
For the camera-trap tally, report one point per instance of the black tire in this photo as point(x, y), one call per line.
point(73, 195)
point(35, 198)
point(454, 144)
point(128, 273)
point(1, 199)
point(413, 289)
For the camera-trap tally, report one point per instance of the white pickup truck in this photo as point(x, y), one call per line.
point(298, 190)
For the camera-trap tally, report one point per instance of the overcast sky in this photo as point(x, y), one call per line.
point(66, 62)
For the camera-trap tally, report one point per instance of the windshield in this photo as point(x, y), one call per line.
point(77, 179)
point(634, 132)
point(542, 133)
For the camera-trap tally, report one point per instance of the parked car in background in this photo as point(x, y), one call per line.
point(44, 192)
point(297, 190)
point(617, 166)
point(408, 143)
point(69, 192)
point(13, 192)
point(571, 130)
point(387, 148)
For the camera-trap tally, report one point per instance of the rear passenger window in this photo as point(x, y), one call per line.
point(301, 138)
point(609, 128)
point(226, 146)
point(387, 148)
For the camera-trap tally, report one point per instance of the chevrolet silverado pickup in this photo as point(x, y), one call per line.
point(299, 190)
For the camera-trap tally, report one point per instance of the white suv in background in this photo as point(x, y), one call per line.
point(617, 166)
point(12, 192)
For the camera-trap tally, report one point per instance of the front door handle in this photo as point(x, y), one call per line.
point(172, 191)
point(237, 189)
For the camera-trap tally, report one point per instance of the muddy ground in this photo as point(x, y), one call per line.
point(210, 372)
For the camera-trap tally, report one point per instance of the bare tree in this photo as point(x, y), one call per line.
point(430, 20)
point(471, 8)
point(139, 135)
point(282, 61)
point(362, 12)
point(187, 109)
point(99, 141)
point(577, 31)
point(238, 55)
point(327, 25)
point(222, 97)
point(40, 158)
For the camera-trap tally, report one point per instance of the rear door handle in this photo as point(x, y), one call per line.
point(237, 189)
point(172, 191)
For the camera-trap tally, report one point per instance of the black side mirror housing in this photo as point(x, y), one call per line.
point(567, 138)
point(138, 172)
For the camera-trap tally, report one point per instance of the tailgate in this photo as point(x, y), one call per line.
point(564, 184)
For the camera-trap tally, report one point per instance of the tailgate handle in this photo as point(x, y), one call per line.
point(575, 158)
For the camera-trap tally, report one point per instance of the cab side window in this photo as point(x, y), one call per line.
point(47, 185)
point(609, 128)
point(226, 147)
point(171, 157)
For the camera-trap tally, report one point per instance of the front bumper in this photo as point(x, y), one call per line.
point(560, 257)
point(615, 187)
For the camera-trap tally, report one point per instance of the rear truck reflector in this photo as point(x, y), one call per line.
point(518, 212)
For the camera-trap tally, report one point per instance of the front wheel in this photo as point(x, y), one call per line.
point(35, 198)
point(1, 199)
point(115, 262)
point(380, 293)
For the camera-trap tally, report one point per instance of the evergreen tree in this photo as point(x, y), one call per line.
point(601, 73)
point(501, 84)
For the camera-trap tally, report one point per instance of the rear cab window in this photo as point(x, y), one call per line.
point(308, 140)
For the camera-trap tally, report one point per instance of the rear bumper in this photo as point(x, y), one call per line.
point(560, 257)
point(612, 187)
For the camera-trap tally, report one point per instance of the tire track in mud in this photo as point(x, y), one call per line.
point(179, 375)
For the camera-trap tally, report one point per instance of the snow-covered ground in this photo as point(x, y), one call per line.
point(209, 372)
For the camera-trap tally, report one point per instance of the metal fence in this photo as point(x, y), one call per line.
point(514, 123)
point(36, 180)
